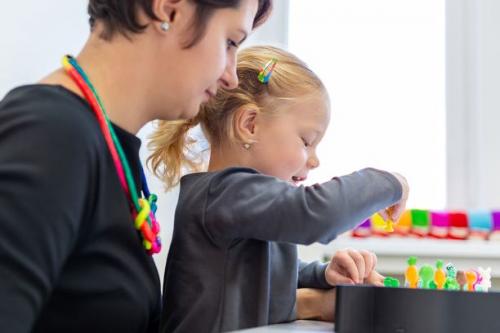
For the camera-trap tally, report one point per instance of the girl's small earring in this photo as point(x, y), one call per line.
point(246, 146)
point(165, 26)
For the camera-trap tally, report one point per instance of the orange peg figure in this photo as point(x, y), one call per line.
point(471, 278)
point(411, 273)
point(439, 275)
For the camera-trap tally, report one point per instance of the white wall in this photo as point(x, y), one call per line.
point(473, 103)
point(383, 64)
point(34, 35)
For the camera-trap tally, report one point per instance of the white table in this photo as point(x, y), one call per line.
point(299, 326)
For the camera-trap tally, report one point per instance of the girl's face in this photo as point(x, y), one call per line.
point(286, 141)
point(191, 76)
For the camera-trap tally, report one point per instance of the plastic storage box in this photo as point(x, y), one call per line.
point(368, 309)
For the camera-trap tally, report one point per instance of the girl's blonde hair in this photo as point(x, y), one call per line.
point(291, 79)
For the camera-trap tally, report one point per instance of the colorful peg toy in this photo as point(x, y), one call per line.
point(451, 282)
point(448, 278)
point(411, 273)
point(426, 274)
point(471, 278)
point(439, 275)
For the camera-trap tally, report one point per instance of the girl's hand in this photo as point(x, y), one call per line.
point(395, 211)
point(351, 266)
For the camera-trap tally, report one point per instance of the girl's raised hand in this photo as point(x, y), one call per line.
point(395, 211)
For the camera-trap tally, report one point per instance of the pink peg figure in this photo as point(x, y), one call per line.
point(363, 230)
point(495, 233)
point(471, 277)
point(459, 225)
point(420, 222)
point(426, 274)
point(411, 273)
point(480, 224)
point(439, 224)
point(483, 282)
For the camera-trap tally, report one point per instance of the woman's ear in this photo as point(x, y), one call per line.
point(169, 12)
point(245, 124)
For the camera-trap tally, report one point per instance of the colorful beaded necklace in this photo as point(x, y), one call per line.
point(143, 209)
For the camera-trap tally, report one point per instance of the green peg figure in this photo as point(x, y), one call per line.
point(426, 274)
point(451, 278)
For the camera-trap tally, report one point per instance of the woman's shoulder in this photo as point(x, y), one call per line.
point(42, 109)
point(44, 100)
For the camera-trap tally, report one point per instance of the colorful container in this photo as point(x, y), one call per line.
point(420, 222)
point(439, 224)
point(459, 225)
point(363, 230)
point(403, 226)
point(480, 224)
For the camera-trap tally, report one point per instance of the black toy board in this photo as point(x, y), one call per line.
point(368, 309)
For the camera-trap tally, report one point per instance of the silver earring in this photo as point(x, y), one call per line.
point(246, 146)
point(165, 26)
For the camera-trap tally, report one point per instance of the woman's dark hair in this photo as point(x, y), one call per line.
point(121, 15)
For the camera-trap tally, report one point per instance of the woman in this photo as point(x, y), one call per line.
point(76, 233)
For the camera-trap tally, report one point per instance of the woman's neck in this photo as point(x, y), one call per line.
point(119, 72)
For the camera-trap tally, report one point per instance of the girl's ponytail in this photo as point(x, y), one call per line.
point(170, 146)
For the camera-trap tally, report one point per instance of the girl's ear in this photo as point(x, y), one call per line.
point(244, 124)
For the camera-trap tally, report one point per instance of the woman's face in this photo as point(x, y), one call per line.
point(191, 76)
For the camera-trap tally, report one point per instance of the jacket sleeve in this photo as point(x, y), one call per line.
point(243, 204)
point(312, 275)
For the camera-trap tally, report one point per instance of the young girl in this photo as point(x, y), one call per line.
point(75, 234)
point(233, 254)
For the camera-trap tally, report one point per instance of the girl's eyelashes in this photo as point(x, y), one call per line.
point(306, 144)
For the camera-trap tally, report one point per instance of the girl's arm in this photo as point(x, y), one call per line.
point(244, 204)
point(316, 304)
point(312, 275)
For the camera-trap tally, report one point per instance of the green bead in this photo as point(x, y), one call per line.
point(391, 282)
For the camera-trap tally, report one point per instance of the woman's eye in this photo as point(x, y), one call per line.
point(231, 43)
